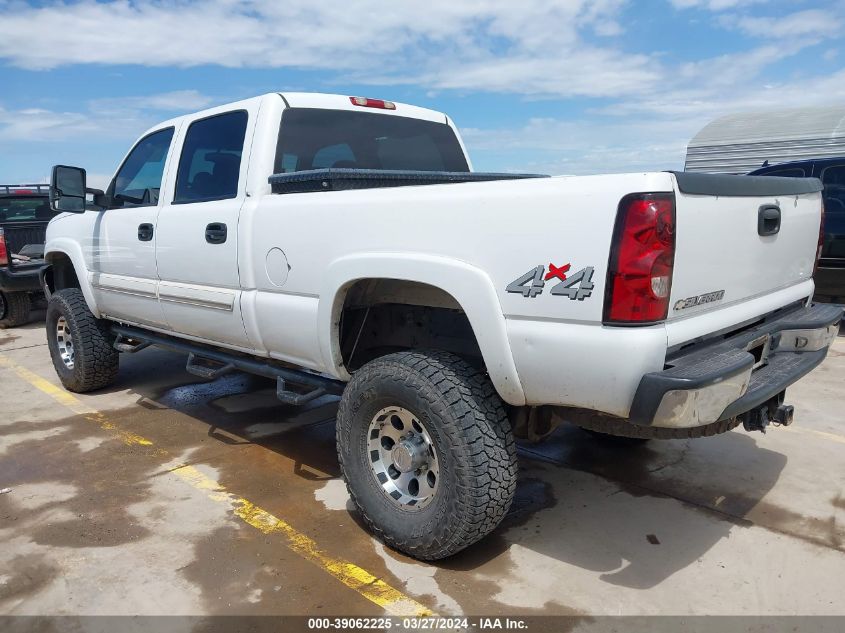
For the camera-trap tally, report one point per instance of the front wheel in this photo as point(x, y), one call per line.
point(80, 344)
point(427, 452)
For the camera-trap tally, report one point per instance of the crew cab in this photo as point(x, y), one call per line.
point(343, 245)
point(830, 274)
point(24, 215)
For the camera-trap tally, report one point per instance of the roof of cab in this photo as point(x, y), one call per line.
point(343, 102)
point(311, 100)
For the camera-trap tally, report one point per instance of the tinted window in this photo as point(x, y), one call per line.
point(25, 209)
point(792, 172)
point(833, 179)
point(313, 139)
point(333, 156)
point(211, 158)
point(138, 180)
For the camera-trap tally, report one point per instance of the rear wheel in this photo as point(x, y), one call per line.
point(80, 344)
point(14, 309)
point(427, 452)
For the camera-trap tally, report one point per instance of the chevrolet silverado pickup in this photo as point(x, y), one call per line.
point(344, 246)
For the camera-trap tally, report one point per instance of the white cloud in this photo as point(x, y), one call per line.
point(103, 118)
point(585, 146)
point(648, 134)
point(713, 5)
point(532, 45)
point(187, 100)
point(531, 48)
point(36, 123)
point(814, 23)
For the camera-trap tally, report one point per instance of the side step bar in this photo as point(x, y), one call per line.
point(210, 362)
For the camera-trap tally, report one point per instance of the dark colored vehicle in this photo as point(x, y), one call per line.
point(830, 276)
point(24, 215)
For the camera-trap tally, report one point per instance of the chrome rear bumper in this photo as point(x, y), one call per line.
point(726, 378)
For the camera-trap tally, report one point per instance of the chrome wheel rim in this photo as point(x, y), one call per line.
point(402, 458)
point(65, 342)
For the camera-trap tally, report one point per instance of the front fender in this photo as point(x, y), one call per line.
point(468, 285)
point(72, 249)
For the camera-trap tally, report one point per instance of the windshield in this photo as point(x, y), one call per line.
point(25, 209)
point(316, 139)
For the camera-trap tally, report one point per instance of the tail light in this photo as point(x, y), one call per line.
point(639, 278)
point(820, 246)
point(4, 253)
point(366, 102)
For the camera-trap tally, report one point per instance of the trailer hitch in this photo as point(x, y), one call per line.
point(772, 411)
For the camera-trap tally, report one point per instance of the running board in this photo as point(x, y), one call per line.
point(127, 345)
point(293, 387)
point(207, 368)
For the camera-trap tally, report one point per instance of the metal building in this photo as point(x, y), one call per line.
point(739, 143)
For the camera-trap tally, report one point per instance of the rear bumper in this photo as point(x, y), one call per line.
point(20, 280)
point(727, 378)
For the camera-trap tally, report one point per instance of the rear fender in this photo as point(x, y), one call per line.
point(468, 285)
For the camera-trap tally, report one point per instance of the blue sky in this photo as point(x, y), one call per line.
point(566, 86)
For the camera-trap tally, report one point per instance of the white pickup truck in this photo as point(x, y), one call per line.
point(343, 245)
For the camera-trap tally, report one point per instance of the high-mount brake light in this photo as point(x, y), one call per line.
point(639, 278)
point(4, 253)
point(20, 191)
point(366, 102)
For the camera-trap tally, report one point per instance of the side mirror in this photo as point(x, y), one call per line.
point(67, 189)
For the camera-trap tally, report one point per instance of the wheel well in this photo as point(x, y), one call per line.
point(60, 274)
point(382, 316)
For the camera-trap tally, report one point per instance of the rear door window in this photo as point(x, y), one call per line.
point(210, 165)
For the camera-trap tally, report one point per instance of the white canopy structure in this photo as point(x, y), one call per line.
point(739, 143)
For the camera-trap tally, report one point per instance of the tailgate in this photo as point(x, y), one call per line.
point(741, 237)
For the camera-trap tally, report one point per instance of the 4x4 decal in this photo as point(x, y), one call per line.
point(578, 286)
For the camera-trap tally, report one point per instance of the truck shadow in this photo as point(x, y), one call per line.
point(635, 515)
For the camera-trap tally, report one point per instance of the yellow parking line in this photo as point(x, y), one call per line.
point(832, 437)
point(354, 577)
point(74, 404)
point(366, 584)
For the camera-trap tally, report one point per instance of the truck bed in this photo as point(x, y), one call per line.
point(26, 240)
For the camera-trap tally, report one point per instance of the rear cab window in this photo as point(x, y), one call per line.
point(25, 209)
point(312, 138)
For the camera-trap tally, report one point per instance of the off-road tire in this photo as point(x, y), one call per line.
point(14, 309)
point(470, 433)
point(95, 359)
